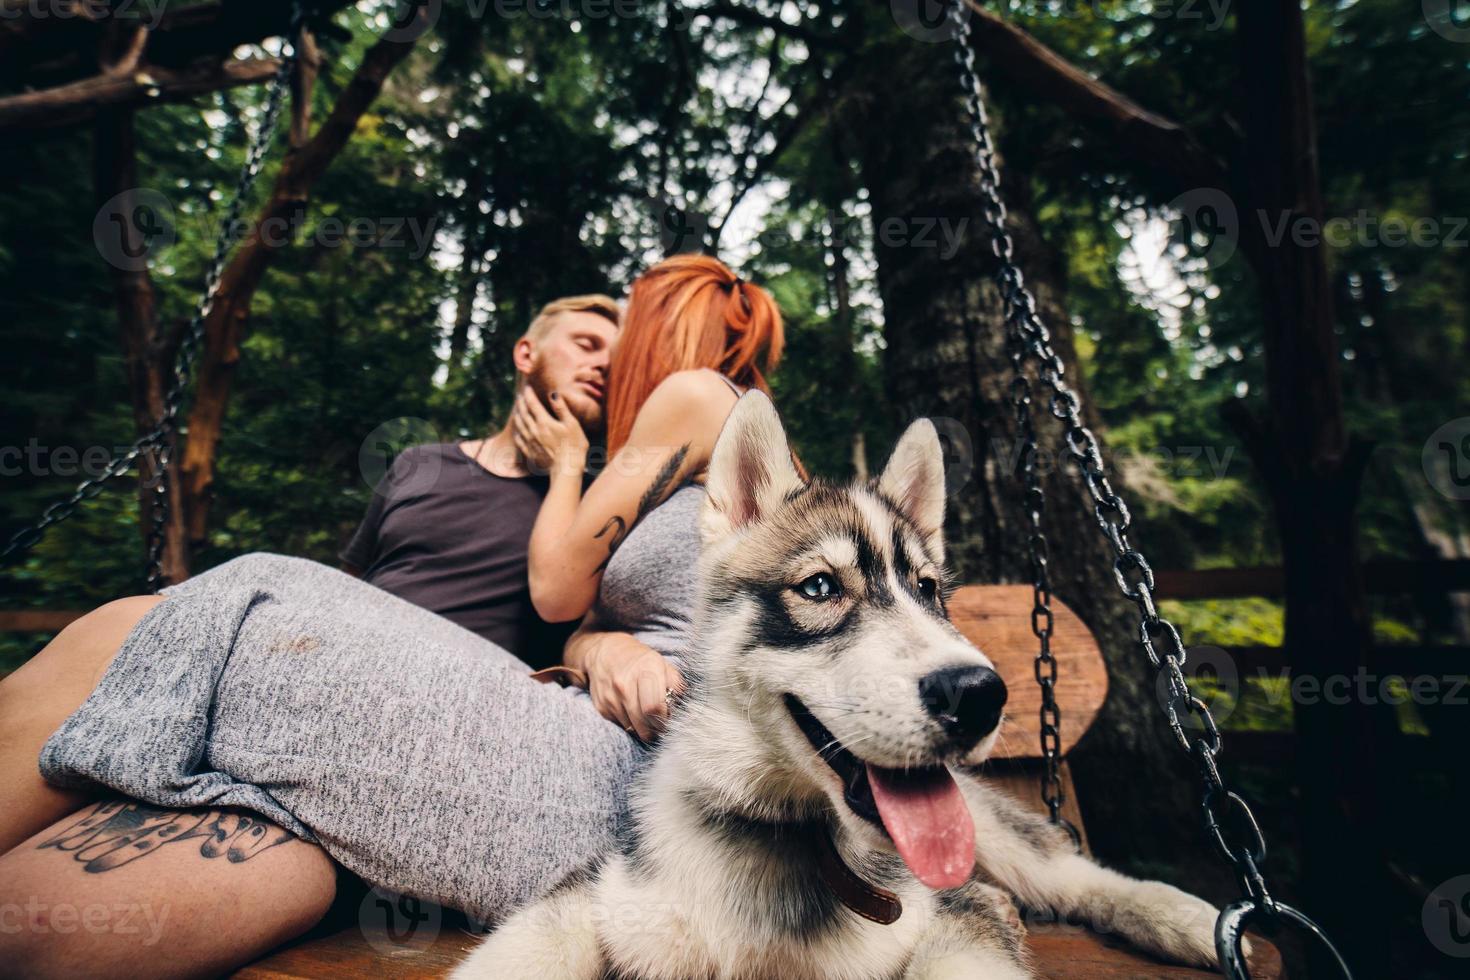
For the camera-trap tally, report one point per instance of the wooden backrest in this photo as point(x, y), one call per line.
point(997, 619)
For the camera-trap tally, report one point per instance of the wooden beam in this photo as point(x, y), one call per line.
point(1405, 660)
point(1153, 142)
point(72, 103)
point(1382, 578)
point(48, 51)
point(228, 323)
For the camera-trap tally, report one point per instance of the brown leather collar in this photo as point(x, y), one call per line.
point(869, 901)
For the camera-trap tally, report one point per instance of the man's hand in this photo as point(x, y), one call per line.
point(552, 441)
point(628, 680)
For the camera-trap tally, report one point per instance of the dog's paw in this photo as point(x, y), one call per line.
point(969, 966)
point(553, 938)
point(1169, 922)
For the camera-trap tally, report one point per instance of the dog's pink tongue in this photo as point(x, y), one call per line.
point(930, 825)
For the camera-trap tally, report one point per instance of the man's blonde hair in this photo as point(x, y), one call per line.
point(603, 306)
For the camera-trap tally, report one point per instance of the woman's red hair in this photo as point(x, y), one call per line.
point(689, 312)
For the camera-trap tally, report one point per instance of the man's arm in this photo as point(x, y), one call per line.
point(627, 678)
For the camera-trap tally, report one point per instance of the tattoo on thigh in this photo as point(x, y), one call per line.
point(118, 832)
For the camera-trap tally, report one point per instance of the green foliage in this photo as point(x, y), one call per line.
point(540, 155)
point(1228, 622)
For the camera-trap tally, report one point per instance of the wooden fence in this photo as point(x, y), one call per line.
point(1381, 578)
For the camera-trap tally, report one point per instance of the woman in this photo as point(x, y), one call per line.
point(273, 718)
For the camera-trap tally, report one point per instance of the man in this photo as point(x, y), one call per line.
point(449, 524)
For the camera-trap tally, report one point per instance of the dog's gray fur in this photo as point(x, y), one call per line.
point(717, 876)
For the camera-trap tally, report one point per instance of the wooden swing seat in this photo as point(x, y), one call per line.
point(997, 619)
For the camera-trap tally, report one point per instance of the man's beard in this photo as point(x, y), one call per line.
point(586, 410)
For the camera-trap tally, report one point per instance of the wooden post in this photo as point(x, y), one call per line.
point(147, 352)
point(1312, 469)
point(228, 324)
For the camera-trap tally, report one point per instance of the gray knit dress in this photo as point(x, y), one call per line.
point(419, 755)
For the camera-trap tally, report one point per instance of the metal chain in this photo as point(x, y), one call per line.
point(1042, 620)
point(158, 442)
point(1022, 398)
point(1231, 825)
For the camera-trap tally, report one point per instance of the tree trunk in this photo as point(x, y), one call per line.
point(844, 342)
point(946, 357)
point(1313, 471)
point(470, 268)
point(147, 353)
point(229, 321)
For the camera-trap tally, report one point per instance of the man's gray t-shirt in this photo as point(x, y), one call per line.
point(446, 534)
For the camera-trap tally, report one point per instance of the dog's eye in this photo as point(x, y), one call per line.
point(819, 586)
point(928, 589)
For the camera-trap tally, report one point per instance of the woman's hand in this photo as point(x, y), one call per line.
point(552, 441)
point(629, 681)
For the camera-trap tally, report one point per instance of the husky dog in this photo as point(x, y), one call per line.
point(811, 811)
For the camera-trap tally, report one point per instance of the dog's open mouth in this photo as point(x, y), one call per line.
point(921, 810)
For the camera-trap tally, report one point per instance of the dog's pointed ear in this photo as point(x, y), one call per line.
point(914, 481)
point(750, 471)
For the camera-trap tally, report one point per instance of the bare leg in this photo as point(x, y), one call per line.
point(38, 697)
point(120, 888)
point(126, 889)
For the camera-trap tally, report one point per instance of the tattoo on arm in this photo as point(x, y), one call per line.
point(118, 832)
point(651, 498)
point(619, 529)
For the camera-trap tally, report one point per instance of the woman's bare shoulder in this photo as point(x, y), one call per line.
point(697, 383)
point(693, 402)
point(685, 391)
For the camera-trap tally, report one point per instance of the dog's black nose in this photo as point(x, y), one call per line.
point(966, 701)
